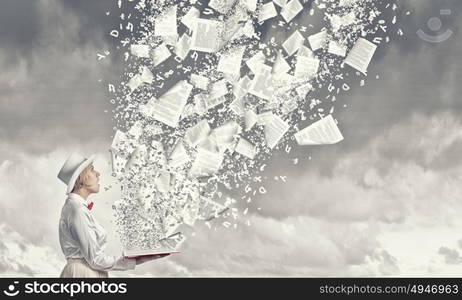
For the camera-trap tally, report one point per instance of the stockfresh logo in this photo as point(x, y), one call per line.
point(11, 290)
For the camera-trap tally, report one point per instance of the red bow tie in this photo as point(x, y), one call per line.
point(90, 206)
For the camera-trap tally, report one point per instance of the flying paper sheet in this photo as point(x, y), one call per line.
point(137, 80)
point(182, 47)
point(290, 10)
point(318, 40)
point(165, 24)
point(322, 132)
point(250, 119)
point(224, 135)
point(140, 50)
point(280, 3)
point(206, 163)
point(221, 6)
point(255, 62)
point(197, 133)
point(267, 11)
point(293, 43)
point(162, 181)
point(179, 156)
point(190, 18)
point(280, 65)
point(336, 48)
point(199, 81)
point(160, 54)
point(306, 67)
point(169, 106)
point(206, 35)
point(261, 85)
point(361, 55)
point(275, 128)
point(230, 62)
point(245, 148)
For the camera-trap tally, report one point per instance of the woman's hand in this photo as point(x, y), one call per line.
point(143, 259)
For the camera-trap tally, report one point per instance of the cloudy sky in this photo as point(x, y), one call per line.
point(384, 202)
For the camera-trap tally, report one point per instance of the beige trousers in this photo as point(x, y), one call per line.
point(79, 268)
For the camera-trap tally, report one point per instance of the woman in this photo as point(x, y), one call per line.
point(82, 239)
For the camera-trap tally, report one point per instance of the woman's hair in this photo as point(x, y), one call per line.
point(80, 182)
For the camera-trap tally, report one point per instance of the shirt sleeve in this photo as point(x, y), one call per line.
point(92, 251)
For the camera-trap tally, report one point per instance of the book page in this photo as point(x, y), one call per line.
point(319, 40)
point(160, 54)
point(250, 119)
point(140, 50)
point(205, 35)
point(230, 62)
point(245, 148)
point(199, 81)
point(293, 43)
point(206, 163)
point(267, 11)
point(275, 128)
point(322, 132)
point(179, 156)
point(306, 67)
point(165, 24)
point(255, 62)
point(280, 3)
point(291, 9)
point(197, 133)
point(361, 55)
point(222, 6)
point(162, 181)
point(337, 49)
point(240, 89)
point(190, 17)
point(169, 106)
point(261, 85)
point(133, 253)
point(182, 47)
point(280, 65)
point(218, 89)
point(224, 135)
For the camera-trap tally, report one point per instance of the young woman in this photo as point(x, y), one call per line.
point(82, 239)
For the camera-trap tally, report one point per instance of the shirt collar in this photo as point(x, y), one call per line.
point(79, 198)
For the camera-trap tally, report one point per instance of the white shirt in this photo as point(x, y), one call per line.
point(81, 236)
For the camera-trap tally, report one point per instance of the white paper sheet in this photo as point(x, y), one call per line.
point(169, 106)
point(206, 35)
point(361, 55)
point(267, 11)
point(197, 133)
point(140, 50)
point(160, 54)
point(230, 62)
point(199, 81)
point(293, 43)
point(291, 9)
point(322, 132)
point(165, 24)
point(179, 156)
point(337, 49)
point(183, 46)
point(306, 67)
point(245, 148)
point(275, 128)
point(318, 41)
point(206, 163)
point(261, 85)
point(190, 18)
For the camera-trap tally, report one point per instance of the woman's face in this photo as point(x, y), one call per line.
point(92, 179)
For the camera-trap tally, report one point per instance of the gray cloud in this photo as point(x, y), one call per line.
point(451, 256)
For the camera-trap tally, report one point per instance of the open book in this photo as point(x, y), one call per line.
point(157, 251)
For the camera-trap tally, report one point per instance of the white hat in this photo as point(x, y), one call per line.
point(72, 168)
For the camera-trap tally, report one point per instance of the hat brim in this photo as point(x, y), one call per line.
point(77, 172)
